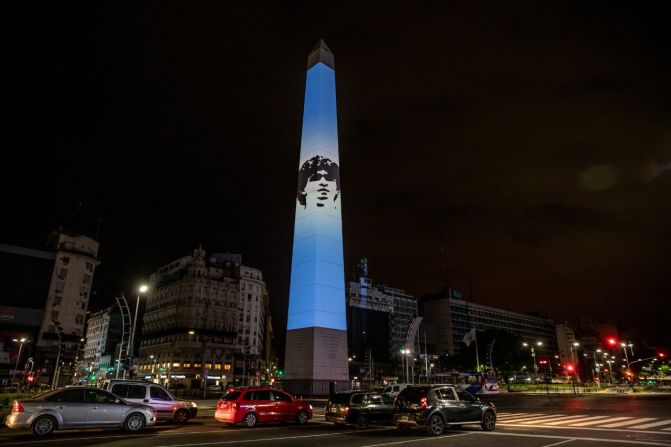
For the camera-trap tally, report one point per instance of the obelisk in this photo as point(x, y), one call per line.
point(316, 343)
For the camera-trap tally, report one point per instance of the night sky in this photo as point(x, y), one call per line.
point(516, 151)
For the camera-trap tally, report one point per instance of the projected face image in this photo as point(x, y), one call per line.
point(319, 183)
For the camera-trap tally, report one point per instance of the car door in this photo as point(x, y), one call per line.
point(448, 403)
point(468, 406)
point(264, 406)
point(161, 401)
point(72, 407)
point(285, 409)
point(104, 408)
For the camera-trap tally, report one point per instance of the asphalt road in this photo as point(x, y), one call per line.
point(524, 421)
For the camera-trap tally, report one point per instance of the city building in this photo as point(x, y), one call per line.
point(378, 318)
point(316, 341)
point(103, 333)
point(205, 320)
point(448, 318)
point(54, 287)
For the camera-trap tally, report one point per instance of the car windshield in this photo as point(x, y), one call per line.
point(231, 395)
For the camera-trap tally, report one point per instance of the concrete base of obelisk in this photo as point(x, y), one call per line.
point(314, 358)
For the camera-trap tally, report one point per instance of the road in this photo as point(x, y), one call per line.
point(524, 421)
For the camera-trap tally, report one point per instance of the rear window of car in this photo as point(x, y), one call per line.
point(413, 394)
point(120, 390)
point(137, 391)
point(231, 395)
point(340, 398)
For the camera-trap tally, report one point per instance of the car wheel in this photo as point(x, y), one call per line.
point(43, 425)
point(134, 423)
point(182, 416)
point(302, 418)
point(488, 421)
point(436, 425)
point(250, 420)
point(362, 422)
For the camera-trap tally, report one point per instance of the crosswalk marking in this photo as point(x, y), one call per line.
point(600, 421)
point(653, 424)
point(527, 418)
point(581, 420)
point(576, 419)
point(555, 420)
point(625, 423)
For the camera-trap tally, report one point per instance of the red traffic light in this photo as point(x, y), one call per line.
point(570, 368)
point(661, 355)
point(612, 341)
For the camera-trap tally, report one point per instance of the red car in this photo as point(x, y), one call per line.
point(251, 405)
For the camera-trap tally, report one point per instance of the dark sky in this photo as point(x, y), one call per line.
point(532, 140)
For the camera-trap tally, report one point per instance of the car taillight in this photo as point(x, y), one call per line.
point(424, 403)
point(17, 407)
point(235, 405)
point(220, 405)
point(346, 409)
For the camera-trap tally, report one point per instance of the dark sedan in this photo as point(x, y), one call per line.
point(359, 408)
point(435, 407)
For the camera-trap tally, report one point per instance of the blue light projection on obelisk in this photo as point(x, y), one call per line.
point(316, 349)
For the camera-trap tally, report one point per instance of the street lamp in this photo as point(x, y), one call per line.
point(624, 348)
point(59, 331)
point(18, 356)
point(143, 288)
point(575, 365)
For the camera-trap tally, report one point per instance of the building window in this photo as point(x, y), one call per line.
point(54, 315)
point(62, 273)
point(227, 367)
point(196, 365)
point(187, 365)
point(175, 365)
point(217, 366)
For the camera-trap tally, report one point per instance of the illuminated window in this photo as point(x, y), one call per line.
point(187, 365)
point(227, 367)
point(175, 365)
point(217, 366)
point(196, 365)
point(208, 366)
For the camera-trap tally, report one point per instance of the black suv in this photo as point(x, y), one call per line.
point(359, 408)
point(434, 407)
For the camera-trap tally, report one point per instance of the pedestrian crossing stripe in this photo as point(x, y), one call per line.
point(562, 420)
point(599, 421)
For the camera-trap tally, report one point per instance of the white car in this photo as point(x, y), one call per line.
point(78, 407)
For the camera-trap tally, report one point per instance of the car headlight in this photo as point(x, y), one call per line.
point(193, 404)
point(310, 406)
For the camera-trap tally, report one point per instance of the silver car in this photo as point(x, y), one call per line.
point(168, 406)
point(78, 407)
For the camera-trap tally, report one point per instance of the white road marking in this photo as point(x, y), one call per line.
point(283, 438)
point(615, 430)
point(653, 424)
point(601, 421)
point(625, 423)
point(532, 418)
point(576, 419)
point(419, 440)
point(557, 443)
point(554, 420)
point(573, 438)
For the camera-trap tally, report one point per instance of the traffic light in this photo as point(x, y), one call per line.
point(570, 368)
point(661, 355)
point(611, 341)
point(280, 372)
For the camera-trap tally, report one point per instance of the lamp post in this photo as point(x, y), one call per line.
point(59, 330)
point(143, 288)
point(18, 356)
point(575, 365)
point(626, 356)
